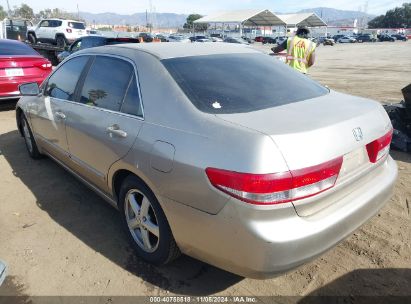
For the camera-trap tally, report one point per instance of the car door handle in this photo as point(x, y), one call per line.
point(60, 115)
point(115, 130)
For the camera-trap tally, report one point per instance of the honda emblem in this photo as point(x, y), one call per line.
point(357, 134)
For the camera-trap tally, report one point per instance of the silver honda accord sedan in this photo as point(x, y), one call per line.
point(214, 150)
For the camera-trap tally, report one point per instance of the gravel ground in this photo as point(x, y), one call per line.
point(59, 238)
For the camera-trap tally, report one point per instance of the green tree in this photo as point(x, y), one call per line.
point(3, 13)
point(56, 13)
point(399, 17)
point(24, 11)
point(198, 26)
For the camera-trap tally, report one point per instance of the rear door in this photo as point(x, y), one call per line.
point(105, 121)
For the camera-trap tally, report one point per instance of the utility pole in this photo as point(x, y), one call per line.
point(78, 13)
point(8, 8)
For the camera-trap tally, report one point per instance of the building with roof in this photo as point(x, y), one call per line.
point(260, 20)
point(242, 18)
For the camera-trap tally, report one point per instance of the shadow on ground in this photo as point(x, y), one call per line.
point(79, 210)
point(401, 156)
point(8, 104)
point(389, 285)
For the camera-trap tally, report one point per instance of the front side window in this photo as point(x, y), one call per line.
point(45, 23)
point(106, 83)
point(239, 83)
point(62, 84)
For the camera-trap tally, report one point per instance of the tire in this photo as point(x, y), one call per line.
point(31, 145)
point(61, 41)
point(32, 38)
point(140, 210)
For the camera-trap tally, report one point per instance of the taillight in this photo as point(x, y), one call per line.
point(68, 30)
point(379, 147)
point(276, 188)
point(43, 65)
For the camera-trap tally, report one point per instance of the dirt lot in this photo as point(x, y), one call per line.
point(59, 238)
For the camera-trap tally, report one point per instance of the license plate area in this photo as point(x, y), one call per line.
point(354, 163)
point(14, 72)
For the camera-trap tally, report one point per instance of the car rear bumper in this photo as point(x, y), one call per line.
point(260, 242)
point(10, 88)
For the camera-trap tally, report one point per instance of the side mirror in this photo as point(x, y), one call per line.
point(29, 89)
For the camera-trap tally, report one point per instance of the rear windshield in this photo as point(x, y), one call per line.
point(77, 25)
point(15, 48)
point(239, 83)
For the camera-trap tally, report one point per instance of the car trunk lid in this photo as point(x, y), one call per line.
point(23, 66)
point(312, 132)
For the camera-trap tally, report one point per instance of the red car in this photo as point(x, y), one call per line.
point(259, 39)
point(19, 63)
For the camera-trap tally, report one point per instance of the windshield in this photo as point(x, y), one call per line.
point(77, 25)
point(238, 83)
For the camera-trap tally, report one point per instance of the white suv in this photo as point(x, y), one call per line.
point(56, 31)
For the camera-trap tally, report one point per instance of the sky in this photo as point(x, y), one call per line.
point(376, 7)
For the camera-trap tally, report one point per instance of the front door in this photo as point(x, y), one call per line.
point(48, 117)
point(101, 127)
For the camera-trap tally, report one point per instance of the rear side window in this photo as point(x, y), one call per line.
point(77, 25)
point(15, 48)
point(132, 103)
point(62, 84)
point(239, 83)
point(106, 83)
point(89, 42)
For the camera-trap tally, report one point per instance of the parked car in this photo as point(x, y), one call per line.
point(200, 38)
point(280, 40)
point(19, 63)
point(269, 40)
point(178, 38)
point(386, 37)
point(215, 39)
point(16, 29)
point(235, 40)
point(336, 37)
point(328, 41)
point(346, 39)
point(366, 38)
point(248, 39)
point(216, 35)
point(147, 37)
point(162, 37)
point(222, 172)
point(92, 41)
point(259, 39)
point(400, 37)
point(57, 31)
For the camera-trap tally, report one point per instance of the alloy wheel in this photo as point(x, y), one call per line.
point(27, 135)
point(142, 220)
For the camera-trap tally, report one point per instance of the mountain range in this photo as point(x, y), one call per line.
point(329, 15)
point(337, 17)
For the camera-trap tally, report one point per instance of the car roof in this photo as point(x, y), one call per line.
point(176, 50)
